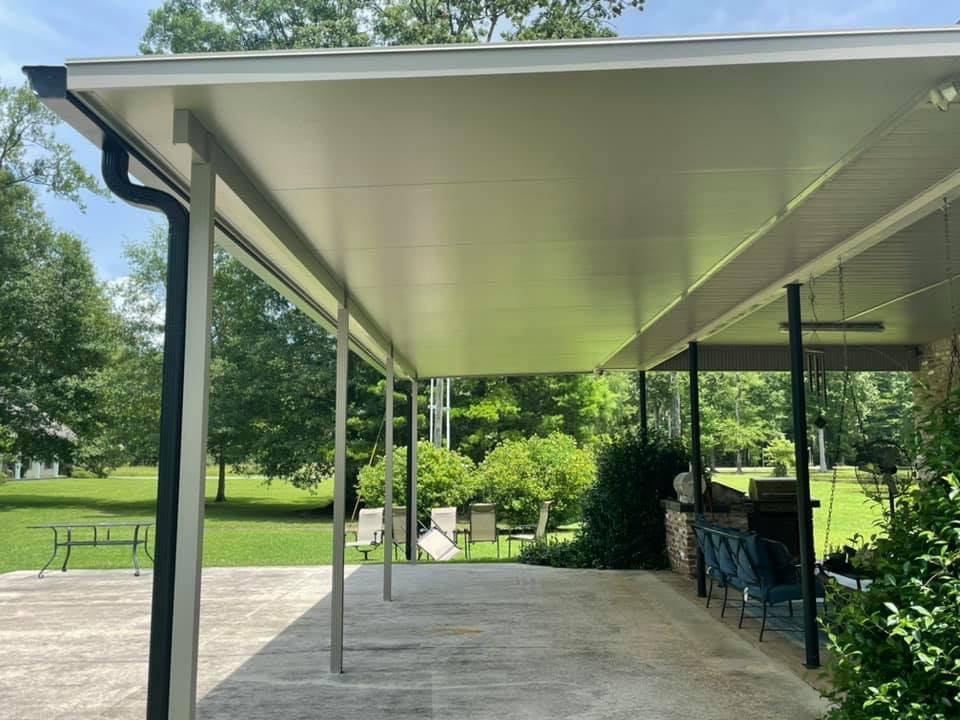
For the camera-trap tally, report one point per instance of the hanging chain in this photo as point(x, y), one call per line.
point(843, 403)
point(954, 312)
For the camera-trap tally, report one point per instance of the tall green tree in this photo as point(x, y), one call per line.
point(55, 320)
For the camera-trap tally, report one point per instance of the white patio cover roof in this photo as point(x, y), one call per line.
point(567, 206)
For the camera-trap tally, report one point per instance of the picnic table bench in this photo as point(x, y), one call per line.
point(99, 538)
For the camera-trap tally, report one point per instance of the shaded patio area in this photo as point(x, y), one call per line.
point(488, 641)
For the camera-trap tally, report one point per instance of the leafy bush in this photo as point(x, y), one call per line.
point(623, 524)
point(518, 475)
point(895, 652)
point(782, 454)
point(445, 478)
point(894, 647)
point(555, 553)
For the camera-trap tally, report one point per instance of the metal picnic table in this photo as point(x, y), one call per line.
point(98, 539)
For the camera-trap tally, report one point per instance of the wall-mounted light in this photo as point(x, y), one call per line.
point(837, 327)
point(942, 96)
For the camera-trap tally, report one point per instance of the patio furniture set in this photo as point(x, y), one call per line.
point(759, 568)
point(440, 539)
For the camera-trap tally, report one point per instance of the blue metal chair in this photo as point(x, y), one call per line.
point(769, 575)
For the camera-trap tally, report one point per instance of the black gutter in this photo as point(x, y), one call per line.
point(811, 633)
point(115, 169)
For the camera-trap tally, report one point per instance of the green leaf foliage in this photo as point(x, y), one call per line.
point(445, 478)
point(623, 522)
point(518, 475)
point(895, 648)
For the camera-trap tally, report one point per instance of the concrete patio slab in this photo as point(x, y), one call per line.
point(466, 642)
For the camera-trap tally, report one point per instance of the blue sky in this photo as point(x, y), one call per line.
point(48, 31)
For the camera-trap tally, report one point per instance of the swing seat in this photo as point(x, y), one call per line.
point(437, 545)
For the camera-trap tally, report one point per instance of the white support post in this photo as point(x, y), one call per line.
point(412, 500)
point(388, 485)
point(193, 445)
point(339, 490)
point(448, 413)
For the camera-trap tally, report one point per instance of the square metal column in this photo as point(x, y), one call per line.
point(339, 491)
point(644, 422)
point(804, 510)
point(411, 538)
point(193, 445)
point(693, 354)
point(388, 485)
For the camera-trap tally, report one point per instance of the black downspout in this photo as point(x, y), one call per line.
point(804, 510)
point(696, 471)
point(411, 539)
point(115, 167)
point(644, 423)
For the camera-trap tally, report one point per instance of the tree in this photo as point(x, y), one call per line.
point(30, 155)
point(55, 333)
point(214, 25)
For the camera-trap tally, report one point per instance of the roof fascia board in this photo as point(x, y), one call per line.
point(187, 129)
point(505, 59)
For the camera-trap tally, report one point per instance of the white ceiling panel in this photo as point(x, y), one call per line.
point(547, 208)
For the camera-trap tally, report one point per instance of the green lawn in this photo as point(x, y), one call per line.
point(260, 524)
point(852, 512)
point(271, 524)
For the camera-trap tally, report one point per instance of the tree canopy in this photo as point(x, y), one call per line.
point(215, 25)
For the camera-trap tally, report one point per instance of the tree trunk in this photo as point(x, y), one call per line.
point(739, 462)
point(221, 477)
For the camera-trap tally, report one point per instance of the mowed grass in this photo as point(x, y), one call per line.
point(853, 513)
point(260, 524)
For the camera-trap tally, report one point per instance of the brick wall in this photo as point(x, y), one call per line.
point(682, 543)
point(933, 376)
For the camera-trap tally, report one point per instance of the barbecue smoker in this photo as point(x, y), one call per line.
point(772, 510)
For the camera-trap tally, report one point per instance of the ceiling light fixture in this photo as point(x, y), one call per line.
point(850, 327)
point(942, 96)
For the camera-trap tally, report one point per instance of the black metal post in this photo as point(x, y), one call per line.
point(642, 385)
point(804, 509)
point(115, 167)
point(693, 356)
point(411, 539)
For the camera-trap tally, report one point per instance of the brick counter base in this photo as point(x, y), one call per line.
point(682, 543)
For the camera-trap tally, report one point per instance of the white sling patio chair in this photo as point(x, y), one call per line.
point(539, 532)
point(369, 532)
point(444, 519)
point(399, 529)
point(483, 526)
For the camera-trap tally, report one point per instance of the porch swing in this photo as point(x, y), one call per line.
point(880, 463)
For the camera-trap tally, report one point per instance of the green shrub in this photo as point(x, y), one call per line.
point(555, 553)
point(518, 475)
point(782, 455)
point(445, 478)
point(623, 525)
point(895, 648)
